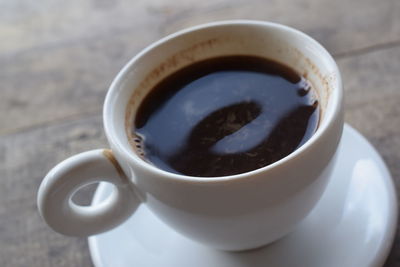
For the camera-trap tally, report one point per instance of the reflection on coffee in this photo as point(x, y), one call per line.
point(225, 116)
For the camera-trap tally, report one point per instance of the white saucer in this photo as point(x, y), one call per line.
point(352, 225)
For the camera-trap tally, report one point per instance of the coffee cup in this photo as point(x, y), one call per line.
point(234, 212)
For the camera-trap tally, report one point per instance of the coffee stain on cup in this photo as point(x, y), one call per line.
point(324, 83)
point(176, 61)
point(110, 156)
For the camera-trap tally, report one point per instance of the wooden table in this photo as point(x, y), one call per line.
point(57, 59)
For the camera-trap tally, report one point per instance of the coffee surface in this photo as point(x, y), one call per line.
point(225, 116)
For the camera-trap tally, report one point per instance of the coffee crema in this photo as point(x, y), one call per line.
point(224, 116)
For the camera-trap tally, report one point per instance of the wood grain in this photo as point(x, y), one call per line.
point(25, 240)
point(58, 59)
point(372, 90)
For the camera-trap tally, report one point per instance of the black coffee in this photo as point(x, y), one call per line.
point(224, 116)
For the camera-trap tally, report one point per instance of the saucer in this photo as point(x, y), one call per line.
point(352, 225)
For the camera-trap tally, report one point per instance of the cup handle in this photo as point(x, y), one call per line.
point(57, 188)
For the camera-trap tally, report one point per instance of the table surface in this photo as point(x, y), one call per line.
point(57, 59)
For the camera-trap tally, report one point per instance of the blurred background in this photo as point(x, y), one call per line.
point(57, 59)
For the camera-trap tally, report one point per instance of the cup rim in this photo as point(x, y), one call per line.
point(336, 97)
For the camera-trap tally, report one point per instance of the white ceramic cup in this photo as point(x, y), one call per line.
point(236, 212)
